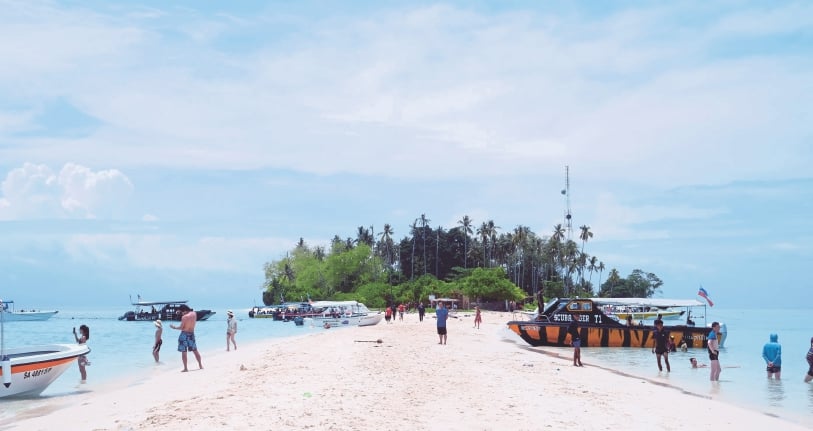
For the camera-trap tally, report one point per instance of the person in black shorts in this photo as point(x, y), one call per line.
point(575, 340)
point(660, 345)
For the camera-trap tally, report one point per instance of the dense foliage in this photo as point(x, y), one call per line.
point(480, 264)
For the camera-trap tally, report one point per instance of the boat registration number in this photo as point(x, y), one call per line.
point(36, 373)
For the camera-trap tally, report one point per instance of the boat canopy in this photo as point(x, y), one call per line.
point(651, 302)
point(143, 303)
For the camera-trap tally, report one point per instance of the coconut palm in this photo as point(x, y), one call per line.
point(600, 271)
point(465, 223)
point(424, 222)
point(414, 231)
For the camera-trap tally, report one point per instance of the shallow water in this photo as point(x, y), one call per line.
point(121, 352)
point(743, 379)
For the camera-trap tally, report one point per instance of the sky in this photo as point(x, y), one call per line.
point(170, 149)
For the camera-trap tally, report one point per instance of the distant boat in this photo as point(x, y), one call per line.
point(344, 313)
point(12, 315)
point(285, 312)
point(164, 310)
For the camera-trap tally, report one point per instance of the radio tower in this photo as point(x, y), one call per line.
point(566, 193)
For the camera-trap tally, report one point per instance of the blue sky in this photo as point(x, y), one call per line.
point(171, 149)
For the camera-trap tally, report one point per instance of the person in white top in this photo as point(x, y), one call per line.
point(231, 329)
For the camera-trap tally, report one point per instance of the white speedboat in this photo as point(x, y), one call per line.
point(12, 315)
point(344, 313)
point(27, 371)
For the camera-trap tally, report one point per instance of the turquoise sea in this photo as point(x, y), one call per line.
point(121, 352)
point(122, 355)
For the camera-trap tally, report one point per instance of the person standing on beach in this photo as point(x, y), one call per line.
point(478, 317)
point(159, 331)
point(231, 330)
point(809, 375)
point(82, 338)
point(660, 347)
point(714, 352)
point(388, 314)
point(421, 311)
point(772, 354)
point(575, 340)
point(186, 340)
point(442, 314)
point(401, 309)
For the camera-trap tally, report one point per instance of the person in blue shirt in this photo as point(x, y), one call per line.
point(713, 347)
point(442, 314)
point(772, 354)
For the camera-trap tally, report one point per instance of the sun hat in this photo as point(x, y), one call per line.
point(230, 313)
point(157, 322)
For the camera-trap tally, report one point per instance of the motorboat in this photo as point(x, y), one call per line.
point(600, 328)
point(164, 310)
point(27, 371)
point(344, 313)
point(285, 312)
point(12, 315)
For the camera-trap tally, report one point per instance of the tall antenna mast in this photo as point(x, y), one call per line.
point(566, 193)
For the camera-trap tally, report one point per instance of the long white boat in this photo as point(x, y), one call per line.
point(27, 371)
point(12, 315)
point(344, 313)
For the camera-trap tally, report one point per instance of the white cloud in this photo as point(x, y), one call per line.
point(36, 192)
point(453, 92)
point(169, 252)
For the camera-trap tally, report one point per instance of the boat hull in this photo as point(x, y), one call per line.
point(540, 334)
point(27, 316)
point(353, 320)
point(34, 368)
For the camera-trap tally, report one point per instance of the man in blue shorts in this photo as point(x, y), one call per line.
point(186, 341)
point(442, 314)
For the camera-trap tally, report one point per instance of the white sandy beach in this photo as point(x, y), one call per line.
point(342, 379)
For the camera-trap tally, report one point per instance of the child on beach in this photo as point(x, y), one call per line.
point(83, 360)
point(156, 348)
point(478, 318)
point(231, 329)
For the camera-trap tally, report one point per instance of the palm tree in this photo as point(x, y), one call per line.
point(414, 230)
point(386, 241)
point(465, 223)
point(592, 267)
point(600, 271)
point(424, 222)
point(558, 238)
point(484, 235)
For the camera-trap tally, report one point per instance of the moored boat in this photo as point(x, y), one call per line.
point(600, 329)
point(283, 312)
point(12, 315)
point(166, 311)
point(344, 313)
point(30, 370)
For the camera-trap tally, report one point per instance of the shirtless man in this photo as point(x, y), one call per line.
point(186, 341)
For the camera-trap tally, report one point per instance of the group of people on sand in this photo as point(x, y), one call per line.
point(186, 339)
point(663, 343)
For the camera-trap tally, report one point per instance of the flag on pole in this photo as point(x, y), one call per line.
point(705, 295)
